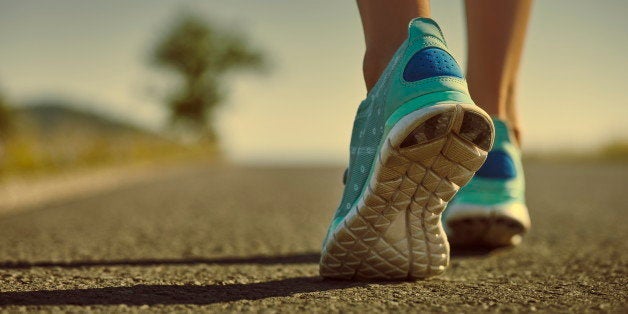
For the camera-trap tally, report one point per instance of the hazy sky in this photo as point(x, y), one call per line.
point(573, 82)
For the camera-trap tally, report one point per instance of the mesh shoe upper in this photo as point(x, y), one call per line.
point(421, 66)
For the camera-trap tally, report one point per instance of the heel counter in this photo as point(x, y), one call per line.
point(423, 66)
point(498, 165)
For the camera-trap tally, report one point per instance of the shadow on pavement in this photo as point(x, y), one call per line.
point(174, 294)
point(301, 258)
point(187, 294)
point(304, 258)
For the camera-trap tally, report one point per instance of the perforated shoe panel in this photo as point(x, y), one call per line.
point(431, 62)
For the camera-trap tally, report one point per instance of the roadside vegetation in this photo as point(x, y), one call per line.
point(54, 135)
point(615, 151)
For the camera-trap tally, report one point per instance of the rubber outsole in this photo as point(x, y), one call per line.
point(487, 226)
point(394, 231)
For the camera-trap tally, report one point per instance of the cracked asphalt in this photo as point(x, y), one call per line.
point(230, 238)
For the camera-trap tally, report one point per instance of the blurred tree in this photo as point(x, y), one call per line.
point(201, 54)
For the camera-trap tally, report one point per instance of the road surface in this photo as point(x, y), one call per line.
point(247, 239)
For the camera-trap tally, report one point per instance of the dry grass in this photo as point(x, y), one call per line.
point(24, 155)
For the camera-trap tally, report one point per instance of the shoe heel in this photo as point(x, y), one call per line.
point(395, 231)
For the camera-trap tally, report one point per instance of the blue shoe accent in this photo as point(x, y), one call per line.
point(498, 165)
point(431, 62)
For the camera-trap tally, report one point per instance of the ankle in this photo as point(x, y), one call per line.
point(374, 65)
point(375, 62)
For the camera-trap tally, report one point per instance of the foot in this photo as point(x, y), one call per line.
point(490, 211)
point(417, 138)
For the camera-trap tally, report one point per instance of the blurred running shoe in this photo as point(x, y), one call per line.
point(490, 210)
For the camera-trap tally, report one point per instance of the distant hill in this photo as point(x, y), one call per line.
point(54, 117)
point(57, 135)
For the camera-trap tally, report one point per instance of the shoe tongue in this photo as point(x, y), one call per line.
point(423, 26)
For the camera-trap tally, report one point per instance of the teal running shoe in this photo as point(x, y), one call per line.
point(417, 138)
point(491, 211)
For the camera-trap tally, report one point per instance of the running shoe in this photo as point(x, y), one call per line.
point(491, 211)
point(417, 138)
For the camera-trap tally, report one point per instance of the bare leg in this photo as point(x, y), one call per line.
point(496, 31)
point(385, 27)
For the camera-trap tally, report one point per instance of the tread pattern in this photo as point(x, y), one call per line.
point(395, 230)
point(490, 229)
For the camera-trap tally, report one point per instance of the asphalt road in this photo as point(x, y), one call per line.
point(247, 239)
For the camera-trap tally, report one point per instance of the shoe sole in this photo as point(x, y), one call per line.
point(395, 231)
point(492, 227)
